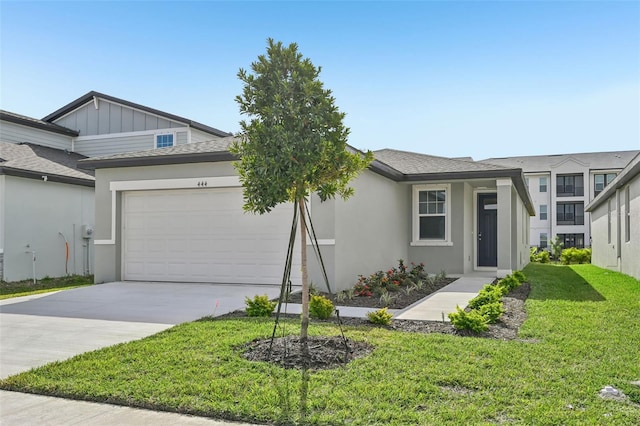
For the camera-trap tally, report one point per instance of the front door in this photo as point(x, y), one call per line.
point(488, 229)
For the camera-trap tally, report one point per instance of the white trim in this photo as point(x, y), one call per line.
point(415, 220)
point(163, 132)
point(325, 242)
point(475, 229)
point(141, 185)
point(132, 134)
point(505, 182)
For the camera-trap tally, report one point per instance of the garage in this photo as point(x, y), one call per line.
point(203, 235)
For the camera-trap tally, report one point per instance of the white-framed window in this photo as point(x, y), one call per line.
point(543, 184)
point(543, 212)
point(544, 242)
point(165, 140)
point(431, 209)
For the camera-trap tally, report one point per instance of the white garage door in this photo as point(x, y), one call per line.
point(203, 235)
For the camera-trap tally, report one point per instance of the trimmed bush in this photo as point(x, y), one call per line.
point(508, 283)
point(472, 321)
point(491, 311)
point(259, 306)
point(488, 294)
point(320, 307)
point(381, 317)
point(539, 256)
point(520, 276)
point(575, 255)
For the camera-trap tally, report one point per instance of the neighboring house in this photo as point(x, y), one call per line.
point(615, 222)
point(561, 186)
point(45, 201)
point(175, 214)
point(42, 213)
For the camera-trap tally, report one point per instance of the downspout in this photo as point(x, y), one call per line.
point(33, 255)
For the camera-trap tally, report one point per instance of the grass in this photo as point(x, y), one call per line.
point(44, 285)
point(582, 334)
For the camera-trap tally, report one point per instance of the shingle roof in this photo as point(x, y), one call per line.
point(89, 96)
point(414, 163)
point(592, 160)
point(34, 122)
point(627, 174)
point(30, 159)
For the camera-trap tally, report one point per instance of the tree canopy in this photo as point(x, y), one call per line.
point(293, 142)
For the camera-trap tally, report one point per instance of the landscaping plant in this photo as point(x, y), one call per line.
point(259, 306)
point(380, 317)
point(320, 307)
point(472, 320)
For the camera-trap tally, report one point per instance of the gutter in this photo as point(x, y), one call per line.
point(46, 177)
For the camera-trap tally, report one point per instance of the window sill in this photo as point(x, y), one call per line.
point(422, 243)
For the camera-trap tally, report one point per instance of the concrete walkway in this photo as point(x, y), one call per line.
point(434, 307)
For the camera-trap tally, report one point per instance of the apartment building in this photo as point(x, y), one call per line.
point(560, 187)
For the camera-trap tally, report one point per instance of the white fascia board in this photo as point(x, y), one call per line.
point(132, 134)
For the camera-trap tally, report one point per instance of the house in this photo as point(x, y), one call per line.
point(561, 186)
point(35, 210)
point(175, 214)
point(46, 202)
point(615, 222)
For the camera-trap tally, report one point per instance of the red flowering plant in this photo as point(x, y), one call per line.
point(391, 280)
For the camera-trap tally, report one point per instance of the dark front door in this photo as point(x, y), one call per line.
point(487, 230)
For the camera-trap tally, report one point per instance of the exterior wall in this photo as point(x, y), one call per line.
point(112, 118)
point(538, 198)
point(618, 254)
point(200, 136)
point(108, 255)
point(38, 212)
point(521, 238)
point(372, 228)
point(449, 258)
point(323, 220)
point(468, 234)
point(16, 133)
point(119, 143)
point(3, 203)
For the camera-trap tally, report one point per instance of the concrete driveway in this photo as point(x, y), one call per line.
point(36, 330)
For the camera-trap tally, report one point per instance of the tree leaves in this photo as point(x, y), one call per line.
point(293, 141)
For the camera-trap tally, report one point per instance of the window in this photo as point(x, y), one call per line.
point(431, 215)
point(543, 240)
point(543, 184)
point(569, 185)
point(164, 141)
point(601, 180)
point(627, 215)
point(570, 214)
point(543, 212)
point(572, 240)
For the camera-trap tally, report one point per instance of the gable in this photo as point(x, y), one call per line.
point(99, 117)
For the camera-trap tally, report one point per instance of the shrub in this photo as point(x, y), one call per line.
point(488, 294)
point(540, 256)
point(320, 307)
point(391, 280)
point(259, 306)
point(387, 298)
point(381, 317)
point(491, 311)
point(472, 321)
point(575, 255)
point(508, 283)
point(520, 276)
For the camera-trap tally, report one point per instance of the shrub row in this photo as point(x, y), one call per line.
point(575, 255)
point(487, 307)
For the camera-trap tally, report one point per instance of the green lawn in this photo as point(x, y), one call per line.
point(44, 285)
point(583, 333)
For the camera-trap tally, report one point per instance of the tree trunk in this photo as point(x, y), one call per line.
point(305, 282)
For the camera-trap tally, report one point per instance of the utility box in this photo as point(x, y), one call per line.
point(87, 232)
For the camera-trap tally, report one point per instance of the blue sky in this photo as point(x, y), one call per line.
point(480, 79)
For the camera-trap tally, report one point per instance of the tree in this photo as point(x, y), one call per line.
point(294, 142)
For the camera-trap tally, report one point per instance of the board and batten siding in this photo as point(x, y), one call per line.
point(113, 118)
point(16, 133)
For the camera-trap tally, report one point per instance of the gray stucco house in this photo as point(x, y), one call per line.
point(615, 222)
point(175, 214)
point(46, 202)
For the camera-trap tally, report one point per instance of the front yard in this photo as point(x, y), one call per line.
point(581, 334)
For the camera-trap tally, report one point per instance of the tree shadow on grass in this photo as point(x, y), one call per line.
point(560, 283)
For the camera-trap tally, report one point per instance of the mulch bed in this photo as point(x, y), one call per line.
point(330, 352)
point(401, 299)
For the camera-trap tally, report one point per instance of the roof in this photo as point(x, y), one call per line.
point(89, 97)
point(416, 163)
point(35, 123)
point(592, 160)
point(631, 171)
point(35, 162)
